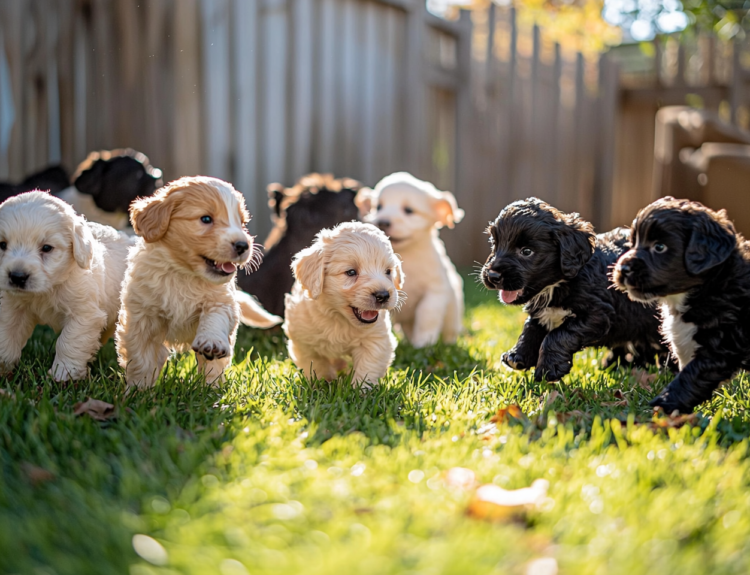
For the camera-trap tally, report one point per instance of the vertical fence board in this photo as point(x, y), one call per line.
point(303, 88)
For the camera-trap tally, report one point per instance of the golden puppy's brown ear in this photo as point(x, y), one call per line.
point(309, 269)
point(398, 276)
point(150, 216)
point(447, 211)
point(83, 243)
point(364, 201)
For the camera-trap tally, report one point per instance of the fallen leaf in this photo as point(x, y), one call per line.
point(504, 414)
point(36, 475)
point(643, 378)
point(460, 477)
point(95, 409)
point(553, 395)
point(497, 504)
point(623, 403)
point(672, 421)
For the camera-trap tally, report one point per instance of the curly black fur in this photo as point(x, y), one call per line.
point(553, 264)
point(315, 202)
point(53, 179)
point(691, 260)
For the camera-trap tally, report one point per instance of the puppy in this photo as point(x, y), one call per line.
point(689, 259)
point(411, 212)
point(554, 265)
point(59, 270)
point(179, 289)
point(53, 179)
point(347, 282)
point(315, 202)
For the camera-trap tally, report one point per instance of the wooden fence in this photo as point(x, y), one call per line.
point(256, 91)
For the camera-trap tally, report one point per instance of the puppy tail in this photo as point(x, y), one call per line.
point(253, 314)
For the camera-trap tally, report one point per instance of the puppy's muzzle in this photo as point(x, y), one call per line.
point(18, 279)
point(383, 225)
point(628, 271)
point(241, 247)
point(381, 296)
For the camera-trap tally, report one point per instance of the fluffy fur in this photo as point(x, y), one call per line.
point(315, 202)
point(411, 212)
point(347, 282)
point(554, 265)
point(59, 270)
point(689, 259)
point(179, 289)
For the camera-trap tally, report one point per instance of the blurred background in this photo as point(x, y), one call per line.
point(493, 101)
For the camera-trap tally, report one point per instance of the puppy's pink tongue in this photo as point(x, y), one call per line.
point(369, 314)
point(228, 267)
point(509, 296)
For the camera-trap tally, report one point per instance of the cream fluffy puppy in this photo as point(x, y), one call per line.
point(411, 212)
point(179, 289)
point(57, 269)
point(347, 282)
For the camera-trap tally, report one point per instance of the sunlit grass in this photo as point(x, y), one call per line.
point(272, 474)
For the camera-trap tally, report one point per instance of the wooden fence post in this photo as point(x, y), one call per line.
point(605, 164)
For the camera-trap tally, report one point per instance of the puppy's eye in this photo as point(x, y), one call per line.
point(3, 246)
point(46, 248)
point(378, 208)
point(351, 273)
point(207, 219)
point(659, 248)
point(388, 272)
point(408, 210)
point(526, 252)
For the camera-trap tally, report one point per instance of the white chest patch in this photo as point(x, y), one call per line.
point(552, 317)
point(678, 333)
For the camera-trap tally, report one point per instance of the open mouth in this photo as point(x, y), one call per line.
point(222, 269)
point(509, 296)
point(365, 315)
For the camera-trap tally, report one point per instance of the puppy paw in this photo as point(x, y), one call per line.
point(67, 372)
point(552, 371)
point(515, 360)
point(669, 405)
point(211, 348)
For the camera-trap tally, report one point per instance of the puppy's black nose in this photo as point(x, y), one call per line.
point(383, 224)
point(241, 247)
point(381, 296)
point(625, 269)
point(493, 276)
point(18, 279)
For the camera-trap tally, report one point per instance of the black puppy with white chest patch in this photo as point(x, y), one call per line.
point(553, 264)
point(689, 259)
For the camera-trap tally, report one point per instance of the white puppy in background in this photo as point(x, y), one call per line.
point(347, 282)
point(179, 291)
point(411, 211)
point(57, 269)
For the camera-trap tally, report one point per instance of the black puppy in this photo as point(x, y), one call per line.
point(315, 202)
point(53, 179)
point(690, 259)
point(553, 264)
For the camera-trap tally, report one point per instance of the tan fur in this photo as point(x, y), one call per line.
point(75, 288)
point(435, 303)
point(170, 298)
point(323, 330)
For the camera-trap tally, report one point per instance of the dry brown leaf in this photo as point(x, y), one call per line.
point(623, 403)
point(460, 477)
point(505, 413)
point(497, 504)
point(95, 409)
point(36, 475)
point(553, 395)
point(674, 420)
point(643, 378)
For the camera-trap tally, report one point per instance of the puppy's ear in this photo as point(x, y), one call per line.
point(275, 196)
point(447, 211)
point(90, 179)
point(364, 200)
point(711, 243)
point(83, 243)
point(150, 216)
point(398, 276)
point(309, 270)
point(576, 239)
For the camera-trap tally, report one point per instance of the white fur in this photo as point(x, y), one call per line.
point(679, 333)
point(552, 317)
point(435, 302)
point(84, 204)
point(75, 288)
point(322, 329)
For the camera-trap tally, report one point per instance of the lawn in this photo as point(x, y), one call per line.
point(273, 474)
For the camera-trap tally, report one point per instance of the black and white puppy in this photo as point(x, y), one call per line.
point(553, 264)
point(315, 202)
point(690, 260)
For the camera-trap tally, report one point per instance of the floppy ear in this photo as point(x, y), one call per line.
point(398, 276)
point(711, 243)
point(90, 181)
point(83, 243)
point(447, 211)
point(150, 216)
point(309, 270)
point(364, 200)
point(576, 247)
point(275, 196)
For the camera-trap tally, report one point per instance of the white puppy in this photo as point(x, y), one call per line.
point(57, 269)
point(179, 290)
point(411, 212)
point(346, 283)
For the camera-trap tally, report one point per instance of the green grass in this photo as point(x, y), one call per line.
point(272, 474)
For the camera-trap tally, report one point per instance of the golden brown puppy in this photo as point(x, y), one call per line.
point(179, 289)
